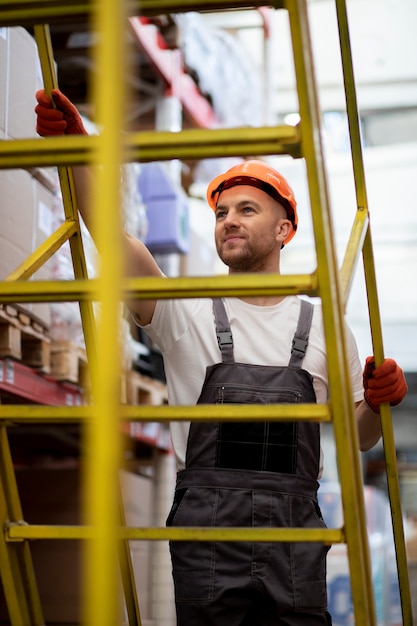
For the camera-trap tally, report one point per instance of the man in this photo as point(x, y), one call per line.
point(244, 350)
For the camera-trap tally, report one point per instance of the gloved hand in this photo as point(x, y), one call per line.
point(385, 383)
point(62, 120)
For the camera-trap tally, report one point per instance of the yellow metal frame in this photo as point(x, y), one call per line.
point(104, 529)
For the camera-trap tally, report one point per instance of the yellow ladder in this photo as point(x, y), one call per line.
point(103, 530)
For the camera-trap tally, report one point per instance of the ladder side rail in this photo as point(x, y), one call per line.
point(16, 567)
point(333, 319)
point(374, 314)
point(103, 440)
point(390, 454)
point(44, 44)
point(127, 571)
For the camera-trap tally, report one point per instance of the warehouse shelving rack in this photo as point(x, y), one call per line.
point(104, 530)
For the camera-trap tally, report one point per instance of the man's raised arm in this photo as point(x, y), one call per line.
point(62, 118)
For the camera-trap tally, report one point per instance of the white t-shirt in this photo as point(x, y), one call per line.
point(184, 330)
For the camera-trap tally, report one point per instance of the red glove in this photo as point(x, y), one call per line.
point(62, 120)
point(385, 383)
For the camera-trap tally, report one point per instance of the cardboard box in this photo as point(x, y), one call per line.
point(16, 192)
point(25, 202)
point(167, 211)
point(22, 196)
point(23, 82)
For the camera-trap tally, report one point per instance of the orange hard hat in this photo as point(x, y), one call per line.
point(257, 174)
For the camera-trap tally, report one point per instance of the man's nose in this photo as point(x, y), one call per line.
point(231, 219)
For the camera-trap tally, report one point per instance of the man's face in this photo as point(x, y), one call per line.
point(250, 229)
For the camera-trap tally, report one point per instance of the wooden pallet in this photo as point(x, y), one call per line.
point(24, 338)
point(69, 363)
point(142, 389)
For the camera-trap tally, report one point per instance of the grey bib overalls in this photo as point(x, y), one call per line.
point(251, 474)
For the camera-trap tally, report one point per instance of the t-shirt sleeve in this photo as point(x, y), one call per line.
point(170, 321)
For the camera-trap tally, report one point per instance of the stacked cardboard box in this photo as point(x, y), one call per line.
point(32, 207)
point(27, 199)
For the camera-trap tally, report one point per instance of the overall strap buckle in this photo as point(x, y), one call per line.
point(223, 332)
point(224, 338)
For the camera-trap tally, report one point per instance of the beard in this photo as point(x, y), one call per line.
point(244, 257)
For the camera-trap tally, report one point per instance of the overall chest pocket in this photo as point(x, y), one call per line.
point(259, 446)
point(235, 393)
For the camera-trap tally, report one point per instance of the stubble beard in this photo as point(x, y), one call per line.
point(245, 260)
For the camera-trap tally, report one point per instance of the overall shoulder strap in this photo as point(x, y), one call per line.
point(300, 340)
point(223, 332)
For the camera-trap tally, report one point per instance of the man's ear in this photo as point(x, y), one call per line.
point(284, 227)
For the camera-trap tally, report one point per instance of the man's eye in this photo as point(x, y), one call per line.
point(221, 215)
point(247, 209)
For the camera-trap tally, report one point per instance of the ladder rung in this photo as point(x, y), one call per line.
point(29, 12)
point(162, 288)
point(41, 414)
point(48, 152)
point(21, 531)
point(224, 412)
point(216, 286)
point(208, 143)
point(149, 146)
